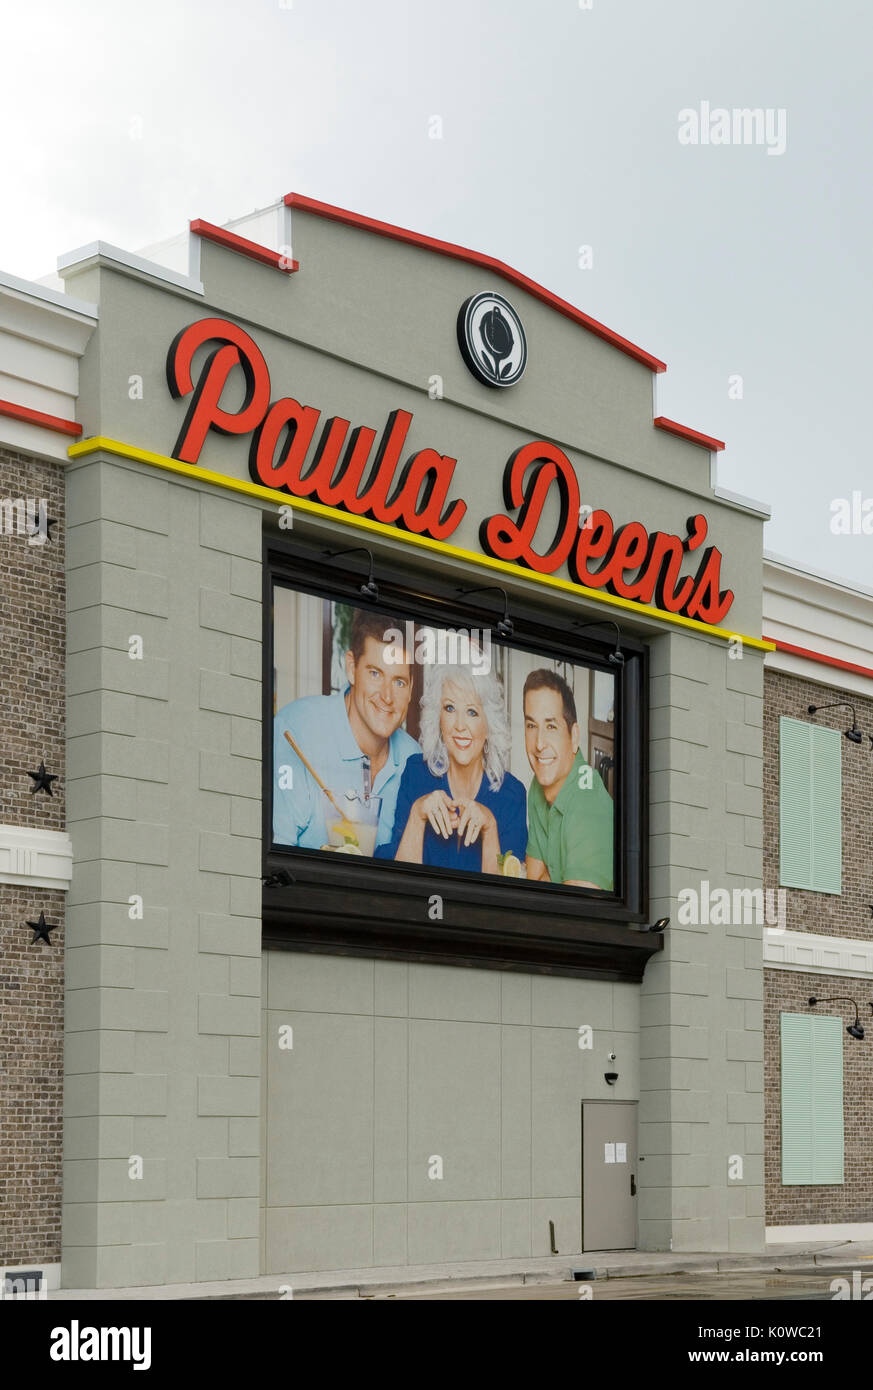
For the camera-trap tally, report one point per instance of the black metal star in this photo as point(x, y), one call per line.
point(42, 780)
point(41, 930)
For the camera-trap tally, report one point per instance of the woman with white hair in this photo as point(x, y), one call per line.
point(458, 807)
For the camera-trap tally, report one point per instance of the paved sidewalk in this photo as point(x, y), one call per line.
point(363, 1283)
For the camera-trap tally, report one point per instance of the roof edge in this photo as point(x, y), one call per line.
point(477, 258)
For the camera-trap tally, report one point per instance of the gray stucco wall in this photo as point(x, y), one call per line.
point(701, 1038)
point(323, 350)
point(395, 1064)
point(162, 1013)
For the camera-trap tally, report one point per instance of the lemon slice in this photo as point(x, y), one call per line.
point(512, 866)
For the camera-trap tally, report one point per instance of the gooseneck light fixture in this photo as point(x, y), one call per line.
point(854, 1030)
point(660, 925)
point(616, 657)
point(280, 879)
point(370, 589)
point(854, 734)
point(504, 627)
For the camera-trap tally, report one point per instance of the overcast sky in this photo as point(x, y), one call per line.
point(560, 128)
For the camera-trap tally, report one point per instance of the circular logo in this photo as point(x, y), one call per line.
point(492, 340)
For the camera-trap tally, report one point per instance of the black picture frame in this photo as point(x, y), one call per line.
point(335, 905)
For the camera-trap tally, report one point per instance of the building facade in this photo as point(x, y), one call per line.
point(817, 854)
point(42, 337)
point(278, 1059)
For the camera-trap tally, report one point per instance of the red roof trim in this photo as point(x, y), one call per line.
point(694, 436)
point(240, 244)
point(38, 417)
point(821, 658)
point(460, 253)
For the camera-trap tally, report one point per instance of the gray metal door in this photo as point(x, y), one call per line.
point(609, 1175)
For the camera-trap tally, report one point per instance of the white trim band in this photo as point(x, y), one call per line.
point(35, 858)
point(819, 955)
point(104, 253)
point(787, 1235)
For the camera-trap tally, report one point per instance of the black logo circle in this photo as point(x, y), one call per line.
point(492, 339)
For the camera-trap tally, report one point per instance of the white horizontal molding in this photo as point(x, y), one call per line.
point(35, 858)
point(22, 437)
point(819, 955)
point(103, 253)
point(850, 1230)
point(822, 614)
point(47, 316)
point(739, 499)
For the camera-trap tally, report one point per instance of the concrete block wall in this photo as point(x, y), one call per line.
point(162, 1012)
point(393, 1065)
point(701, 1012)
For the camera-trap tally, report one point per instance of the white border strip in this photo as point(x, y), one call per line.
point(787, 1235)
point(115, 256)
point(820, 955)
point(35, 858)
point(29, 289)
point(748, 504)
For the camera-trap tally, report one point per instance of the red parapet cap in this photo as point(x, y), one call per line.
point(39, 417)
point(243, 247)
point(693, 436)
point(461, 253)
point(821, 658)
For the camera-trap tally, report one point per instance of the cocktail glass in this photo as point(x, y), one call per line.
point(355, 830)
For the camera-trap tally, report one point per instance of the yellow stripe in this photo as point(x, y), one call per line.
point(363, 523)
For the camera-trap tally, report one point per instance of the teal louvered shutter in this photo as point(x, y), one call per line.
point(812, 1100)
point(810, 807)
point(827, 819)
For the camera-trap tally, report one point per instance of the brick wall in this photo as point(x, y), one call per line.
point(830, 914)
point(787, 991)
point(32, 642)
point(846, 914)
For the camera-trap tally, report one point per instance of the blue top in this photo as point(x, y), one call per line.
point(319, 725)
point(508, 805)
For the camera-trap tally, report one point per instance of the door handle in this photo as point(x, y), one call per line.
point(633, 1186)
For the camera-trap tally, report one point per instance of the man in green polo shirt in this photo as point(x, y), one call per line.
point(570, 813)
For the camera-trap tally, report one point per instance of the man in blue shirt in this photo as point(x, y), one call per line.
point(352, 739)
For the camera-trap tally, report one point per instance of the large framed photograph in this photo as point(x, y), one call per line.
point(409, 742)
point(431, 787)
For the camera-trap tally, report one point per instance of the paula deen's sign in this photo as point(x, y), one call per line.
point(293, 450)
